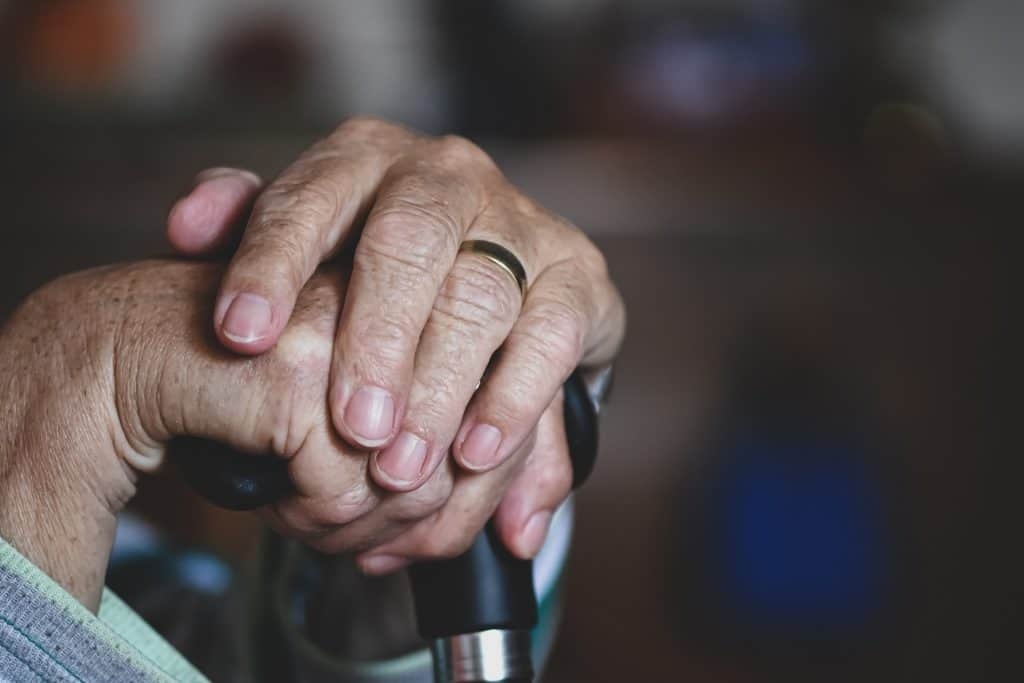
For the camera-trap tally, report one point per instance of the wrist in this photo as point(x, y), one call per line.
point(162, 355)
point(63, 481)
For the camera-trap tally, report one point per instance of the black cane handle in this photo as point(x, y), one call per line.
point(483, 589)
point(487, 587)
point(239, 481)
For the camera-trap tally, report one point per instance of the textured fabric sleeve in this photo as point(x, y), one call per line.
point(47, 635)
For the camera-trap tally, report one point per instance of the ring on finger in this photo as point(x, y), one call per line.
point(501, 257)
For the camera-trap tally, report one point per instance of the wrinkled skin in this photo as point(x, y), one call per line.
point(421, 322)
point(104, 367)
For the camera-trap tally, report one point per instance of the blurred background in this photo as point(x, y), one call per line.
point(807, 471)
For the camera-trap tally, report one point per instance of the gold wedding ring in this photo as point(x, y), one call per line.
point(501, 257)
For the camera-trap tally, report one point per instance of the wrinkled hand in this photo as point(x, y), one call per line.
point(421, 321)
point(103, 368)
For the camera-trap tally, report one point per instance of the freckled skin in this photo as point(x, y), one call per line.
point(103, 368)
point(100, 369)
point(423, 321)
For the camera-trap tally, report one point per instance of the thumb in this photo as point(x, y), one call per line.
point(187, 385)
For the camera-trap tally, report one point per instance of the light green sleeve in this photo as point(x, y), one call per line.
point(45, 630)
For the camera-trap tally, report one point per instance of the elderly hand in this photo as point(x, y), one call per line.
point(422, 320)
point(103, 368)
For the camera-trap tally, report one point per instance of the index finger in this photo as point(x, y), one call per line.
point(297, 223)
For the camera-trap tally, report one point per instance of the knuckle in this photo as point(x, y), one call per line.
point(526, 207)
point(557, 229)
point(515, 411)
point(517, 405)
point(410, 234)
point(310, 518)
point(300, 372)
point(590, 257)
point(276, 251)
point(425, 501)
point(571, 243)
point(556, 477)
point(436, 402)
point(367, 126)
point(477, 296)
point(299, 366)
point(459, 151)
point(554, 331)
point(384, 338)
point(344, 508)
point(362, 122)
point(393, 326)
point(310, 198)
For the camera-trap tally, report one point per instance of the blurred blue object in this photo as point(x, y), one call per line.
point(800, 534)
point(731, 69)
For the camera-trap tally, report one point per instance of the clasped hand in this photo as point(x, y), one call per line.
point(364, 373)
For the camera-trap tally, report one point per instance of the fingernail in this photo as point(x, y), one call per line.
point(534, 533)
point(403, 460)
point(480, 448)
point(381, 564)
point(247, 319)
point(370, 415)
point(227, 172)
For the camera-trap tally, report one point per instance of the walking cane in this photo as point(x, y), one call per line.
point(475, 610)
